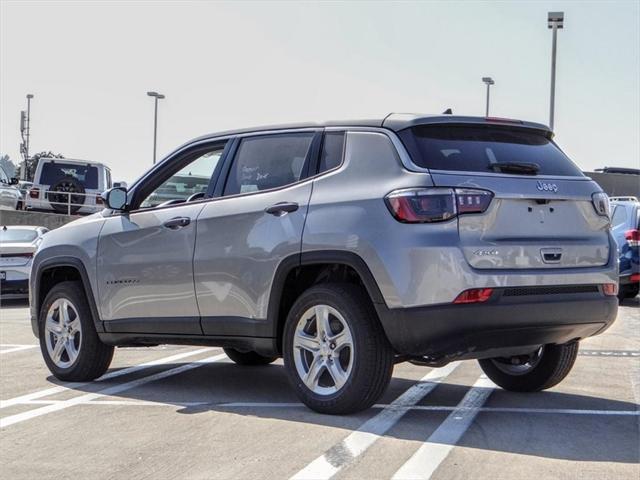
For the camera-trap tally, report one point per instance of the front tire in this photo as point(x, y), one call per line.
point(248, 358)
point(336, 354)
point(68, 339)
point(543, 369)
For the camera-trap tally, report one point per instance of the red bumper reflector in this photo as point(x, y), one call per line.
point(475, 295)
point(610, 289)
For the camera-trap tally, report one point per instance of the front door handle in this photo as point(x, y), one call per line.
point(282, 208)
point(177, 223)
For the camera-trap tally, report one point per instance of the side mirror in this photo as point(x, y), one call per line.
point(13, 181)
point(115, 198)
point(120, 184)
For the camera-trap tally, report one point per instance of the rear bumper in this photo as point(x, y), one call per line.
point(504, 323)
point(14, 288)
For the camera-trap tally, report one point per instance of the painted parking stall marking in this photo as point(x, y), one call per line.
point(105, 392)
point(437, 447)
point(12, 348)
point(609, 353)
point(117, 373)
point(346, 451)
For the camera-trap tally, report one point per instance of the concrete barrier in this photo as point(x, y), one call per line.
point(48, 220)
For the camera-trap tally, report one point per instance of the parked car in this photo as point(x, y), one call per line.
point(625, 224)
point(9, 194)
point(68, 186)
point(344, 248)
point(17, 246)
point(24, 188)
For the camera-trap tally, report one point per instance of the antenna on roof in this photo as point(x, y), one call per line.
point(448, 111)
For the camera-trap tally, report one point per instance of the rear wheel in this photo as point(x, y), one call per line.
point(248, 358)
point(335, 351)
point(68, 339)
point(628, 291)
point(542, 369)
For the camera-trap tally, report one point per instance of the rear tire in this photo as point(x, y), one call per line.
point(545, 370)
point(69, 341)
point(248, 358)
point(343, 362)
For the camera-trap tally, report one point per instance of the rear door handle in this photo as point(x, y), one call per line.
point(282, 208)
point(177, 223)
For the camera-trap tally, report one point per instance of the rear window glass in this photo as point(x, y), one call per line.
point(52, 173)
point(17, 235)
point(474, 149)
point(332, 151)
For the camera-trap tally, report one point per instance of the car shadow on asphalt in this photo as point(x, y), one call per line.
point(253, 391)
point(14, 303)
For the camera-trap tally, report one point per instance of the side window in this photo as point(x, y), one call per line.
point(3, 177)
point(619, 216)
point(189, 180)
point(332, 151)
point(266, 162)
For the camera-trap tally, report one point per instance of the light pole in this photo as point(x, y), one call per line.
point(25, 126)
point(555, 20)
point(489, 81)
point(157, 96)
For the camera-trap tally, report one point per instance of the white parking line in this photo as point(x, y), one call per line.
point(436, 448)
point(345, 452)
point(117, 373)
point(105, 392)
point(435, 408)
point(10, 348)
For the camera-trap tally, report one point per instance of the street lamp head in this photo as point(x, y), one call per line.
point(160, 96)
point(488, 80)
point(555, 19)
point(29, 95)
point(156, 95)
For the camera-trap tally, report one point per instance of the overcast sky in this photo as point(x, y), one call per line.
point(227, 65)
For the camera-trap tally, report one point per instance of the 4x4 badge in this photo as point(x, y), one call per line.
point(546, 187)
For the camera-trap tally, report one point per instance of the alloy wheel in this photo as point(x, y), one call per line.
point(63, 333)
point(323, 350)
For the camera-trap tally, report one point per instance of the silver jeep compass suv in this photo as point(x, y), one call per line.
point(344, 248)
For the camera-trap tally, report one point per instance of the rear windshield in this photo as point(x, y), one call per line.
point(52, 173)
point(474, 149)
point(17, 235)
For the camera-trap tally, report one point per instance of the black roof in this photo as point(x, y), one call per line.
point(393, 121)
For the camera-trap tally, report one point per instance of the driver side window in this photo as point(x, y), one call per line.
point(191, 180)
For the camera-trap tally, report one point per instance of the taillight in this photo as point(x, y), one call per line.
point(635, 278)
point(34, 193)
point(601, 204)
point(475, 295)
point(99, 200)
point(429, 205)
point(610, 289)
point(632, 237)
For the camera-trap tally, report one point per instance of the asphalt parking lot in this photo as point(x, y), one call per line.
point(187, 412)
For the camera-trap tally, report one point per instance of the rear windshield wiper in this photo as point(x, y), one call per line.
point(515, 167)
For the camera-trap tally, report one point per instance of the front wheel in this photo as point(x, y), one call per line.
point(336, 354)
point(68, 339)
point(542, 369)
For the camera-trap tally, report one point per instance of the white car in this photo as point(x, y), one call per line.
point(10, 196)
point(62, 185)
point(17, 247)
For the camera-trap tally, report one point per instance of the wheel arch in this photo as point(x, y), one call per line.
point(56, 270)
point(298, 272)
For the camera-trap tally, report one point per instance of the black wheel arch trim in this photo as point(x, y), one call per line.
point(63, 261)
point(342, 257)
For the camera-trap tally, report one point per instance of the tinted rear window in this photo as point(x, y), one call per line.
point(474, 149)
point(52, 173)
